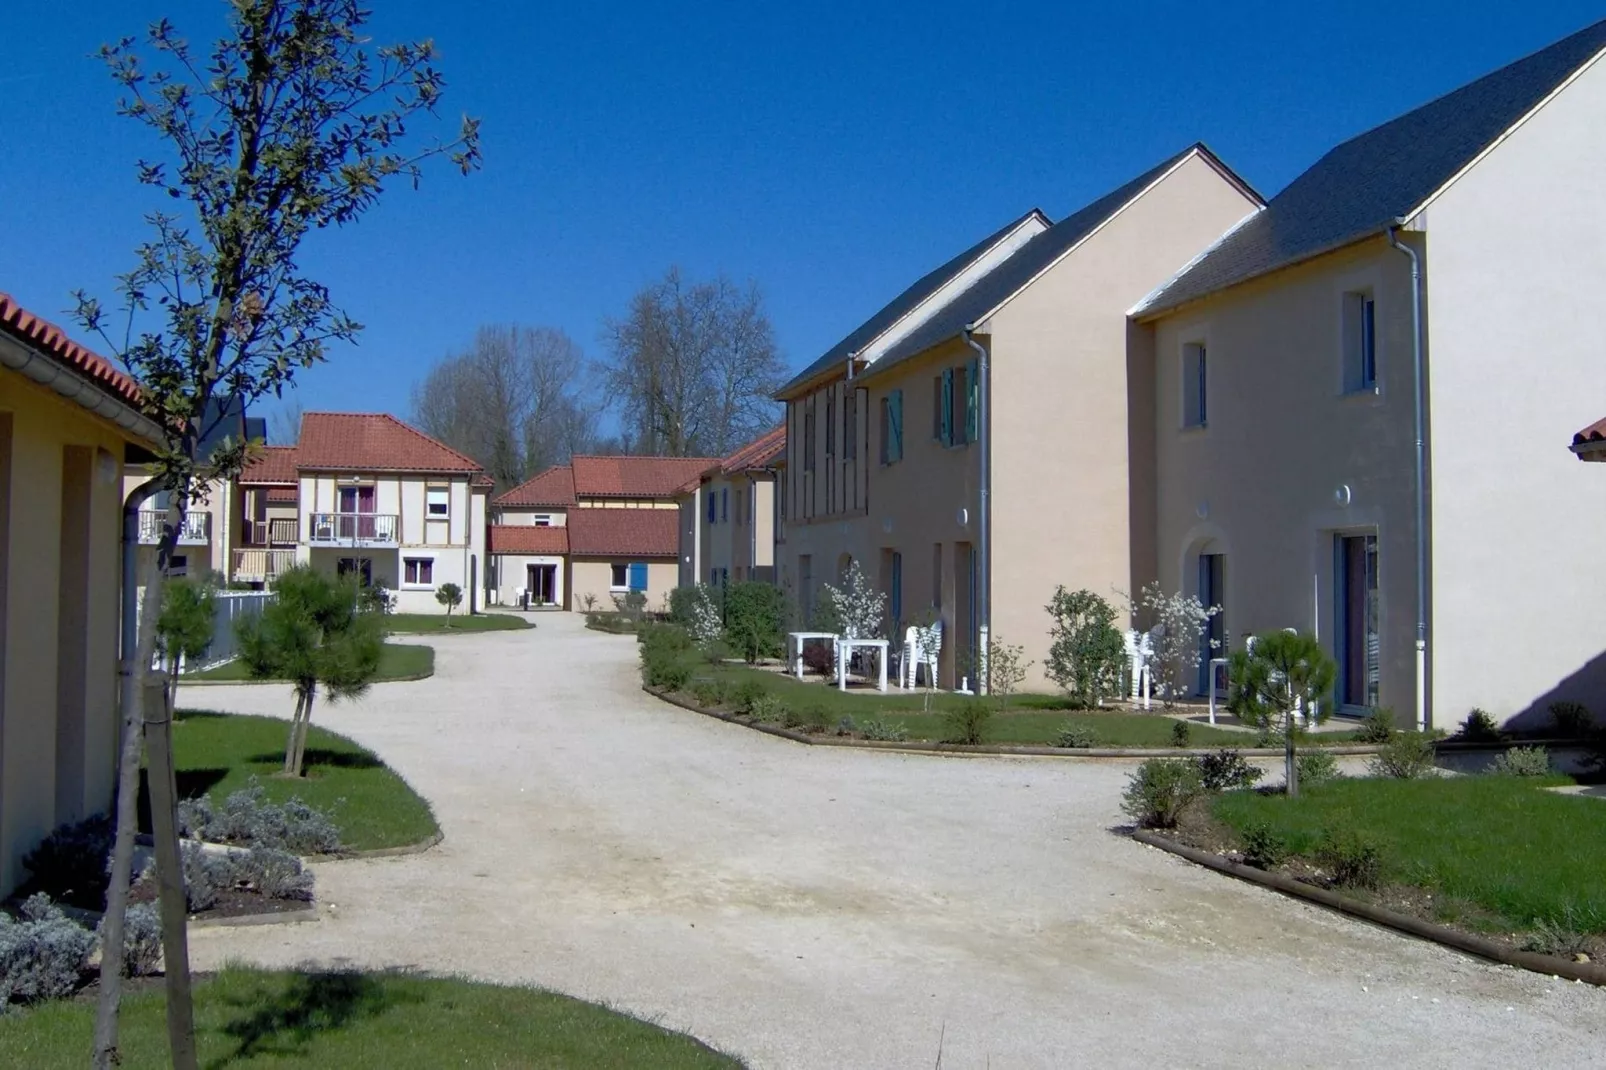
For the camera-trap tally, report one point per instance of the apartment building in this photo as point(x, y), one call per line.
point(729, 516)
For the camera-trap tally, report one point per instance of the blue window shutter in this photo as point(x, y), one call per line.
point(896, 422)
point(638, 575)
point(972, 398)
point(945, 411)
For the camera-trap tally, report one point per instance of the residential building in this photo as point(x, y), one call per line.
point(70, 429)
point(579, 535)
point(728, 516)
point(1436, 279)
point(270, 523)
point(887, 431)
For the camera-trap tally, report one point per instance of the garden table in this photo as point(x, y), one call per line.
point(794, 647)
point(844, 651)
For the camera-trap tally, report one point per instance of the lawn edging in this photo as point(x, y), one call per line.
point(1587, 972)
point(418, 848)
point(960, 750)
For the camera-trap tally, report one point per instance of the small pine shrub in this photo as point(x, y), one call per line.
point(70, 864)
point(1074, 736)
point(43, 954)
point(1522, 761)
point(1355, 860)
point(1572, 720)
point(1479, 727)
point(1378, 726)
point(1226, 770)
point(1159, 790)
point(1180, 734)
point(968, 723)
point(1264, 846)
point(1316, 767)
point(1407, 756)
point(142, 939)
point(883, 731)
point(767, 708)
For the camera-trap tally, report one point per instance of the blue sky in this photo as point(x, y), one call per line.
point(829, 152)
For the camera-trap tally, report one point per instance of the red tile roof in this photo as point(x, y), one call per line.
point(373, 442)
point(555, 486)
point(283, 495)
point(759, 453)
point(274, 464)
point(624, 532)
point(52, 341)
point(528, 539)
point(635, 477)
point(1591, 440)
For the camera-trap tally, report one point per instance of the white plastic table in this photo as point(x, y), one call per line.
point(794, 647)
point(844, 651)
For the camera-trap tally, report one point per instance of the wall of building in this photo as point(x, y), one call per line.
point(1516, 269)
point(512, 576)
point(592, 576)
point(831, 484)
point(554, 516)
point(691, 537)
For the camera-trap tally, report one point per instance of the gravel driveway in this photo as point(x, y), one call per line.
point(828, 908)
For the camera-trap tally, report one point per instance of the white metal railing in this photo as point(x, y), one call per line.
point(353, 529)
point(261, 565)
point(197, 527)
point(277, 532)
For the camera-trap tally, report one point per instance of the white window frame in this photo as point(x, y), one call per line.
point(1358, 339)
point(428, 584)
point(622, 586)
point(541, 520)
point(1194, 384)
point(430, 501)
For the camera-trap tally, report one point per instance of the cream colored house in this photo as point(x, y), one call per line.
point(1438, 278)
point(886, 433)
point(70, 427)
point(728, 516)
point(269, 520)
point(579, 535)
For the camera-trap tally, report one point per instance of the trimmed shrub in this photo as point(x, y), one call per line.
point(43, 955)
point(754, 617)
point(142, 939)
point(883, 731)
point(819, 659)
point(968, 723)
point(746, 693)
point(1356, 861)
point(1479, 727)
point(1572, 720)
point(1086, 651)
point(1316, 767)
point(1264, 846)
point(1159, 790)
point(1180, 734)
point(767, 708)
point(846, 726)
point(273, 873)
point(708, 692)
point(1407, 756)
point(246, 818)
point(1077, 737)
point(1522, 761)
point(1378, 726)
point(1226, 770)
point(69, 865)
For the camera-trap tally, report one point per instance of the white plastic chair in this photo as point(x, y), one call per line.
point(914, 655)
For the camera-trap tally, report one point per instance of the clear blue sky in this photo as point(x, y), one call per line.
point(830, 152)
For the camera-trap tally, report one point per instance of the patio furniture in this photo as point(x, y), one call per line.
point(913, 655)
point(794, 647)
point(844, 652)
point(1139, 652)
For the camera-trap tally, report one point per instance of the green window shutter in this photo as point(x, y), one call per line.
point(972, 397)
point(946, 409)
point(895, 429)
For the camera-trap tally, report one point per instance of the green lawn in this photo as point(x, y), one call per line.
point(247, 1018)
point(427, 623)
point(396, 662)
point(372, 806)
point(1502, 844)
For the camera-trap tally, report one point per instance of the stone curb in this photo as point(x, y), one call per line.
point(381, 852)
point(183, 683)
point(961, 750)
point(309, 912)
point(1588, 972)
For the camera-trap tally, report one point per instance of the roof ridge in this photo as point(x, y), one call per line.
point(404, 425)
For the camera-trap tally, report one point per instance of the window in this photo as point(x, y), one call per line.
point(972, 399)
point(939, 408)
point(725, 505)
point(830, 425)
point(619, 578)
point(892, 427)
point(713, 507)
point(178, 565)
point(850, 426)
point(1194, 378)
point(437, 502)
point(361, 567)
point(945, 418)
point(895, 587)
point(808, 442)
point(418, 570)
point(1360, 342)
point(542, 520)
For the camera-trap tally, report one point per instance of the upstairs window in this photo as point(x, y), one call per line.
point(808, 442)
point(892, 427)
point(1195, 379)
point(830, 426)
point(850, 426)
point(437, 502)
point(713, 507)
point(972, 399)
point(725, 505)
point(542, 520)
point(1360, 342)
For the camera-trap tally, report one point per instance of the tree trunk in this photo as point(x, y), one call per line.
point(299, 750)
point(1290, 766)
point(170, 876)
point(290, 738)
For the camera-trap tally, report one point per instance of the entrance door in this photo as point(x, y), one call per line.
point(357, 505)
point(1212, 592)
point(542, 584)
point(1359, 650)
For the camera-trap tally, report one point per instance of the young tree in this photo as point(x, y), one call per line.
point(1280, 676)
point(291, 123)
point(315, 633)
point(1182, 621)
point(693, 367)
point(449, 595)
point(184, 630)
point(860, 609)
point(1006, 669)
point(1085, 649)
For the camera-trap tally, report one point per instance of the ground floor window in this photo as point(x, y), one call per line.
point(178, 565)
point(418, 570)
point(628, 576)
point(1359, 651)
point(361, 567)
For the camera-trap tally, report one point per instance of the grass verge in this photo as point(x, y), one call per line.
point(383, 1021)
point(396, 662)
point(371, 805)
point(436, 623)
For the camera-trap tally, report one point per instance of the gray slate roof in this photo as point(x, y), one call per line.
point(899, 306)
point(1372, 181)
point(1004, 280)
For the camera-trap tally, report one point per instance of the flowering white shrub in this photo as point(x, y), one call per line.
point(1182, 620)
point(706, 626)
point(860, 609)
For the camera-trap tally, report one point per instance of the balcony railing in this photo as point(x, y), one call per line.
point(197, 528)
point(353, 529)
point(261, 566)
point(277, 532)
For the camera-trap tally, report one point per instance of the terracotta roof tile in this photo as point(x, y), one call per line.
point(555, 486)
point(274, 464)
point(528, 539)
point(51, 340)
point(284, 495)
point(759, 453)
point(635, 477)
point(1591, 440)
point(373, 442)
point(622, 532)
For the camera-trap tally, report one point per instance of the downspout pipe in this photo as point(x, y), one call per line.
point(983, 514)
point(1417, 369)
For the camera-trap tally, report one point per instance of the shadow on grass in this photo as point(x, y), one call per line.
point(316, 756)
point(191, 784)
point(285, 1021)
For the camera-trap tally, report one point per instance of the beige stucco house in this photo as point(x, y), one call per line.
point(70, 426)
point(1438, 278)
point(886, 433)
point(728, 516)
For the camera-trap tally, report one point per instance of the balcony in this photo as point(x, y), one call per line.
point(377, 530)
point(261, 565)
point(197, 529)
point(279, 532)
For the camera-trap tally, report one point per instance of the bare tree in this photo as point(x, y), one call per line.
point(693, 366)
point(517, 401)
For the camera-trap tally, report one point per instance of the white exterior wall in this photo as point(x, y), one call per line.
point(1516, 273)
point(513, 576)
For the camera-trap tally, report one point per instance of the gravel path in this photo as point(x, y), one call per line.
point(828, 908)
